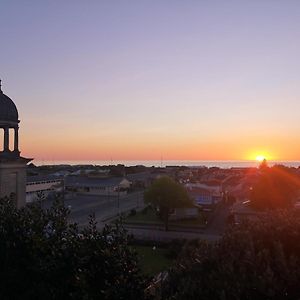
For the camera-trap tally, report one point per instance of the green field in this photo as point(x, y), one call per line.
point(148, 218)
point(151, 218)
point(152, 261)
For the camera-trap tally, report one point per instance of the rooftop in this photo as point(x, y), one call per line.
point(8, 109)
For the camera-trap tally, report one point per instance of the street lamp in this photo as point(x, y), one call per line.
point(118, 201)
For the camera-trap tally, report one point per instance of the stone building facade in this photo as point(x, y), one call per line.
point(12, 165)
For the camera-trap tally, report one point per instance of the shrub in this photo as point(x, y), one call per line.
point(175, 248)
point(132, 212)
point(43, 256)
point(253, 261)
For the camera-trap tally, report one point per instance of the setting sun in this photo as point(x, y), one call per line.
point(260, 157)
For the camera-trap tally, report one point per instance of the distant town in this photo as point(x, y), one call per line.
point(219, 195)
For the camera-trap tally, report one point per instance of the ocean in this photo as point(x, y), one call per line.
point(164, 163)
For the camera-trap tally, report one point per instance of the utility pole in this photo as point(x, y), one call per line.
point(118, 201)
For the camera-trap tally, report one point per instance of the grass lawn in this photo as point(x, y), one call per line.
point(151, 218)
point(199, 222)
point(152, 261)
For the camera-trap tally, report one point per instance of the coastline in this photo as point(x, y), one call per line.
point(156, 163)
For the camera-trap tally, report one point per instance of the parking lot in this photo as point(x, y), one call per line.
point(104, 207)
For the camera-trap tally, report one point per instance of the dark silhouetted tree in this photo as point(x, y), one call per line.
point(263, 165)
point(166, 195)
point(276, 187)
point(252, 261)
point(43, 256)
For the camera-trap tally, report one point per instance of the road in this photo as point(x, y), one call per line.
point(104, 207)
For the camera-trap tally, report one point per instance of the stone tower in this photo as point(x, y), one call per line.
point(12, 165)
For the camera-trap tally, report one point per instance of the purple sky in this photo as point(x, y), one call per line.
point(140, 79)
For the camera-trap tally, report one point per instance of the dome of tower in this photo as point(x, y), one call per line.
point(8, 109)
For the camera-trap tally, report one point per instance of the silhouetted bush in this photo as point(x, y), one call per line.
point(132, 212)
point(43, 256)
point(146, 209)
point(276, 187)
point(175, 248)
point(252, 261)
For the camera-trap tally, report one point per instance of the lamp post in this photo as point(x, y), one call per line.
point(118, 201)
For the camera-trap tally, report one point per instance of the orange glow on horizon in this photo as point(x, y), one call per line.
point(129, 145)
point(261, 155)
point(143, 151)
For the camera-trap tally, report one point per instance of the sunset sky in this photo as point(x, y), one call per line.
point(137, 80)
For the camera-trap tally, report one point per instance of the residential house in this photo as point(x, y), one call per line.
point(47, 185)
point(97, 186)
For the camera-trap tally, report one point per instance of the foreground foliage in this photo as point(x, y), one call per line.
point(42, 256)
point(253, 261)
point(153, 260)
